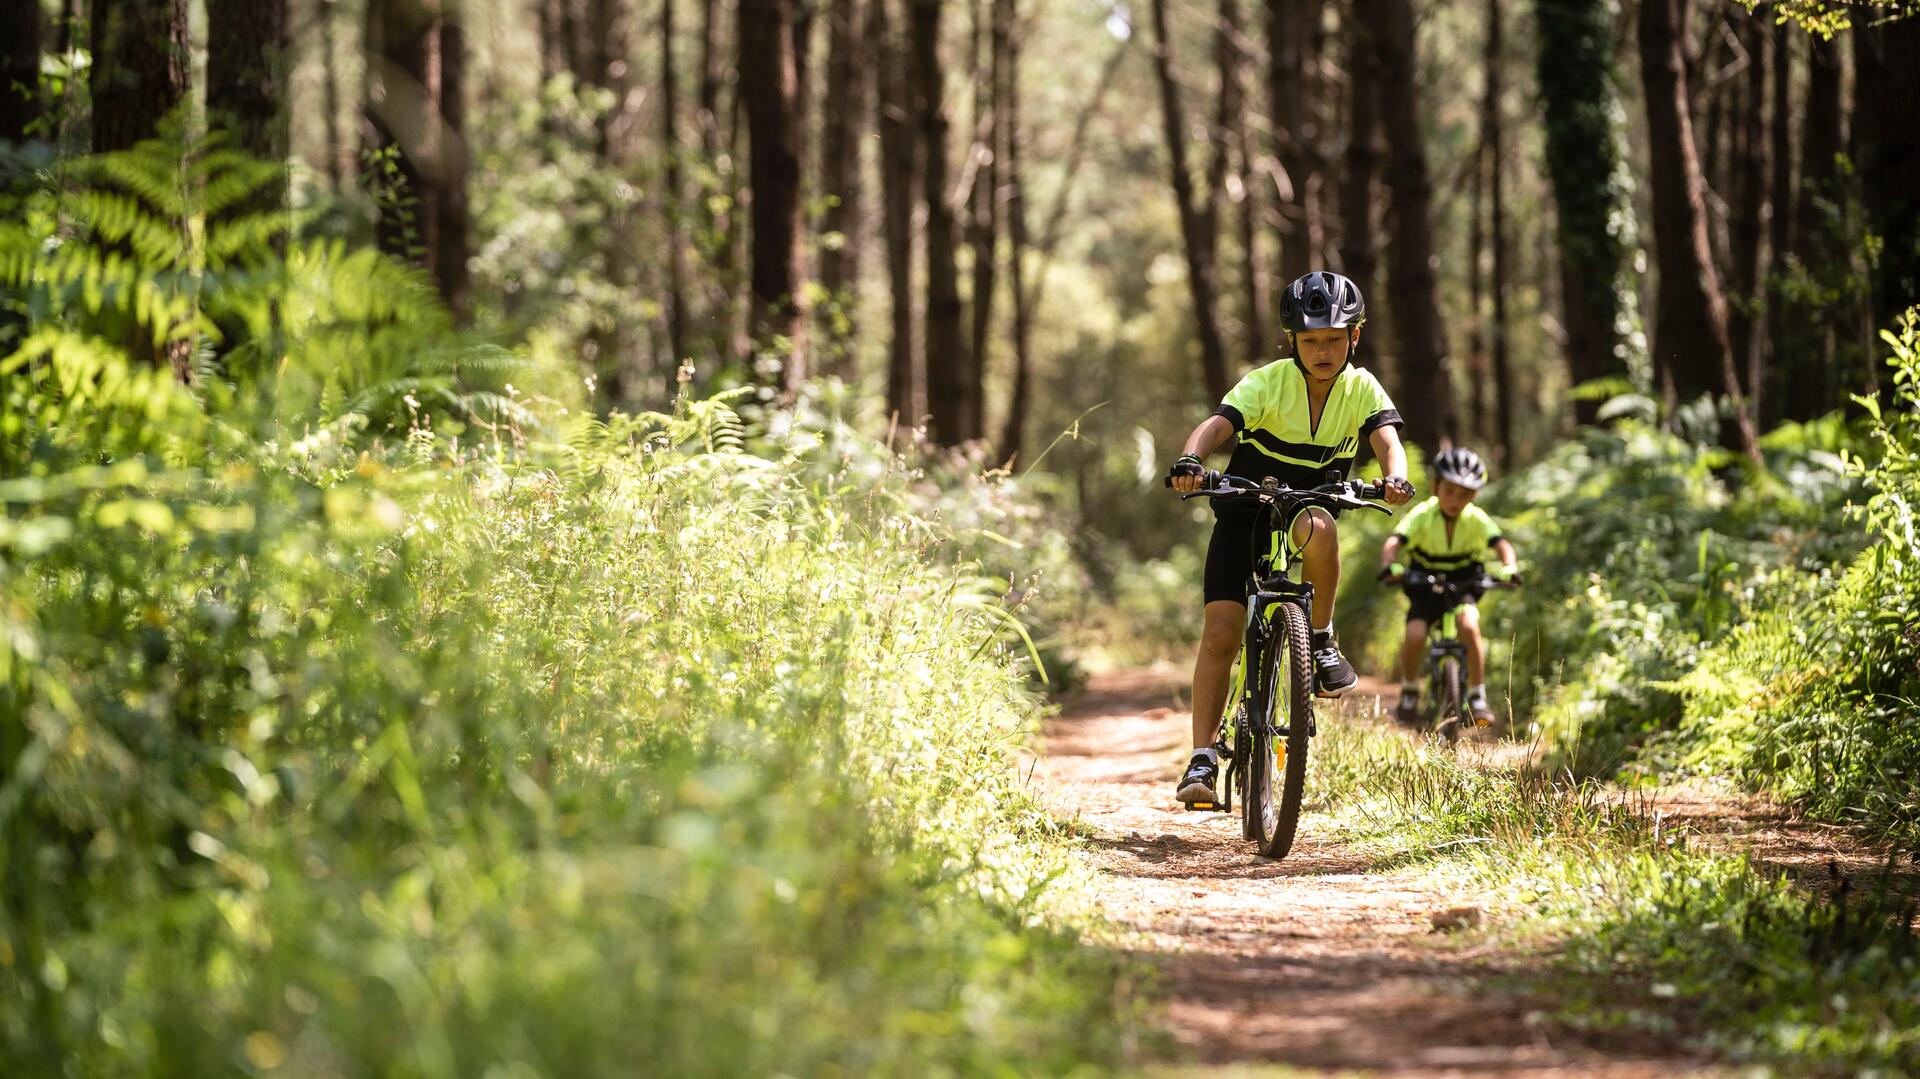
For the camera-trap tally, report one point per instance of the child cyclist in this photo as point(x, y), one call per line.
point(1450, 536)
point(1294, 420)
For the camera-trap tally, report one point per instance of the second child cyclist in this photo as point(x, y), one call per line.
point(1294, 420)
point(1449, 536)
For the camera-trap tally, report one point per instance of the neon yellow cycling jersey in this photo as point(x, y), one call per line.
point(1429, 547)
point(1278, 437)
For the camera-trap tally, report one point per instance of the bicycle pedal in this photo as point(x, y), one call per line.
point(1205, 807)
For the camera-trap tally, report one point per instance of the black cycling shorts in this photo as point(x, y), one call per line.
point(1230, 555)
point(1426, 605)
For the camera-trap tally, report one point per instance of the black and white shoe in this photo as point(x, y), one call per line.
point(1333, 675)
point(1407, 712)
point(1197, 785)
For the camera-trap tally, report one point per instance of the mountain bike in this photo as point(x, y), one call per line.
point(1269, 714)
point(1446, 710)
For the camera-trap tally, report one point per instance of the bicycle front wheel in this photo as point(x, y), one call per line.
point(1281, 748)
point(1450, 679)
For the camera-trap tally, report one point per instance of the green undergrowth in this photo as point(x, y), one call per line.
point(370, 717)
point(1644, 927)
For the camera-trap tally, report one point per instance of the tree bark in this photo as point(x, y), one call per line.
point(1193, 221)
point(1503, 390)
point(1293, 92)
point(949, 388)
point(454, 240)
point(330, 76)
point(1690, 321)
point(1410, 276)
point(673, 202)
point(19, 68)
point(142, 68)
point(1806, 350)
point(1358, 253)
point(247, 57)
point(1887, 153)
point(899, 177)
point(1576, 64)
point(1019, 398)
point(1235, 146)
point(983, 205)
point(1476, 295)
point(1749, 190)
point(842, 129)
point(768, 83)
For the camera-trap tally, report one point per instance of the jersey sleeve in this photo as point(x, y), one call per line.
point(1245, 405)
point(1411, 521)
point(1376, 407)
point(1489, 526)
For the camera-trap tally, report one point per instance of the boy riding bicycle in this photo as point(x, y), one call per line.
point(1295, 420)
point(1448, 536)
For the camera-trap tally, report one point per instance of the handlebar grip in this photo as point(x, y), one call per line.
point(1209, 480)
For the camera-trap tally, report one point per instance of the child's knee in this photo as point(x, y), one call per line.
point(1416, 631)
point(1314, 528)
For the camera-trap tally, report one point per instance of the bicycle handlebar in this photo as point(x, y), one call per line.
point(1346, 494)
point(1440, 583)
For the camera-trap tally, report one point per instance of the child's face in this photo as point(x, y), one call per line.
point(1453, 497)
point(1324, 352)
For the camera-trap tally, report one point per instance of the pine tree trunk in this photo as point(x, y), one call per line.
point(983, 217)
point(1749, 190)
point(1019, 399)
point(1231, 160)
point(899, 180)
point(247, 57)
point(1476, 295)
point(1806, 350)
point(1503, 390)
point(1690, 321)
point(673, 202)
point(1887, 153)
point(19, 68)
point(1193, 221)
point(330, 76)
point(1359, 257)
point(842, 128)
point(1410, 275)
point(1576, 63)
point(454, 241)
point(767, 86)
point(142, 68)
point(949, 388)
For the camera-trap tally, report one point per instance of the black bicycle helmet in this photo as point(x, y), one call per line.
point(1322, 301)
point(1462, 466)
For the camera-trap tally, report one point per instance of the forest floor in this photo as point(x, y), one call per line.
point(1326, 961)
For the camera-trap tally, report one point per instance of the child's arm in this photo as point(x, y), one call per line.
point(1390, 556)
point(1393, 464)
point(1509, 562)
point(1214, 432)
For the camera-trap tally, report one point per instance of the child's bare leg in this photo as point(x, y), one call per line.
point(1213, 666)
point(1467, 619)
point(1319, 542)
point(1412, 649)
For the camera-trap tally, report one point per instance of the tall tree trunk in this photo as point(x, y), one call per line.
point(1019, 398)
point(1193, 220)
point(415, 112)
point(19, 68)
point(1690, 321)
point(606, 67)
point(142, 68)
point(1293, 91)
point(1576, 64)
point(767, 87)
point(983, 206)
point(949, 389)
point(1806, 349)
point(1477, 375)
point(842, 128)
point(1749, 191)
point(330, 95)
point(1234, 146)
point(1358, 253)
point(1503, 390)
point(454, 240)
point(1887, 153)
point(899, 179)
point(673, 202)
point(247, 57)
point(1410, 276)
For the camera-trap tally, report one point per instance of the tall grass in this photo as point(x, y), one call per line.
point(371, 719)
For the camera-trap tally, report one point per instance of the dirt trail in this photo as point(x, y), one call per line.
point(1317, 961)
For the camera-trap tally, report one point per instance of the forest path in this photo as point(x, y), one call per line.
point(1319, 961)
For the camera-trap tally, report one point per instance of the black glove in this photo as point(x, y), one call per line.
point(1188, 465)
